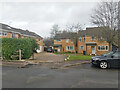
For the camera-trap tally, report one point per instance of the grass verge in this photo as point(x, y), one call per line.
point(80, 57)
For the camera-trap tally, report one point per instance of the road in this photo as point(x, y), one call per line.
point(83, 76)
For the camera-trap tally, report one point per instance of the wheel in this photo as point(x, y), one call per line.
point(103, 65)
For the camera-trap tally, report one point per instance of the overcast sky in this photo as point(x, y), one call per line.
point(39, 17)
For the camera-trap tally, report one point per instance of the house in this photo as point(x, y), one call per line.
point(7, 31)
point(91, 42)
point(88, 41)
point(64, 42)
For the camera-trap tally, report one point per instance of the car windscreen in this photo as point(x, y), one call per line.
point(49, 49)
point(109, 53)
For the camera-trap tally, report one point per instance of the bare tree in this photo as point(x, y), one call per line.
point(73, 27)
point(106, 15)
point(48, 41)
point(54, 30)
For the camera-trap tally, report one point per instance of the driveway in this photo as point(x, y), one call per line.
point(49, 57)
point(83, 76)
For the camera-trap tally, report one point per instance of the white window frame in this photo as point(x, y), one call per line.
point(99, 38)
point(0, 33)
point(84, 39)
point(92, 38)
point(104, 47)
point(67, 40)
point(82, 48)
point(80, 39)
point(68, 48)
point(13, 35)
point(3, 34)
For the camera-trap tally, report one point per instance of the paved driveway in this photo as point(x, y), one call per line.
point(50, 57)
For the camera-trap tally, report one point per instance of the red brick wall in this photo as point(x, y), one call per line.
point(88, 48)
point(9, 35)
point(64, 44)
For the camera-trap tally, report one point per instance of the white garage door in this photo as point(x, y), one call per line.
point(40, 49)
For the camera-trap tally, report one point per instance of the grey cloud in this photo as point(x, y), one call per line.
point(39, 17)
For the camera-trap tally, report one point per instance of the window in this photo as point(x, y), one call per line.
point(3, 33)
point(71, 41)
point(84, 38)
point(69, 47)
point(93, 38)
point(103, 48)
point(39, 39)
point(0, 33)
point(13, 35)
point(116, 55)
point(80, 39)
point(82, 47)
point(58, 40)
point(67, 40)
point(99, 38)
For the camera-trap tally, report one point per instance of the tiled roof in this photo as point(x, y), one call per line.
point(12, 29)
point(94, 31)
point(65, 35)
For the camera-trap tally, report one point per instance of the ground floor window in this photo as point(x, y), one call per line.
point(69, 47)
point(82, 47)
point(103, 48)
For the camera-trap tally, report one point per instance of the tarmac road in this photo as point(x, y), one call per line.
point(83, 76)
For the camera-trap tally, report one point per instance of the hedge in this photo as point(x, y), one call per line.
point(11, 46)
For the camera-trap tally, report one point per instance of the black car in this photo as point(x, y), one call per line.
point(50, 50)
point(108, 60)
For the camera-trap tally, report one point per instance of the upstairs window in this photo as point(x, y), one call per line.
point(3, 33)
point(67, 40)
point(93, 38)
point(71, 41)
point(39, 39)
point(84, 38)
point(80, 39)
point(58, 40)
point(99, 38)
point(13, 35)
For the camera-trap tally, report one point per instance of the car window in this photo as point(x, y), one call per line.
point(116, 55)
point(107, 54)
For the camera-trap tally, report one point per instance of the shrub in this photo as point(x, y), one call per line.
point(11, 46)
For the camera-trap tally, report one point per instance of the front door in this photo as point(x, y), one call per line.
point(93, 49)
point(59, 49)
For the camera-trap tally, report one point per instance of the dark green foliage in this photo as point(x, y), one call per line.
point(11, 46)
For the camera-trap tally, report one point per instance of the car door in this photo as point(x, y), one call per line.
point(116, 59)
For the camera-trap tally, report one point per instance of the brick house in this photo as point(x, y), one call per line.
point(89, 41)
point(64, 42)
point(7, 31)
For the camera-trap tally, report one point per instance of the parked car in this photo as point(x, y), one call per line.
point(50, 50)
point(108, 60)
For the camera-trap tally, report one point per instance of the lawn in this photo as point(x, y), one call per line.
point(63, 53)
point(80, 57)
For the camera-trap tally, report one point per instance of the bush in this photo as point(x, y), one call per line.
point(11, 46)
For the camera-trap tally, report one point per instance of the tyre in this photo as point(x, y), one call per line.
point(104, 65)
